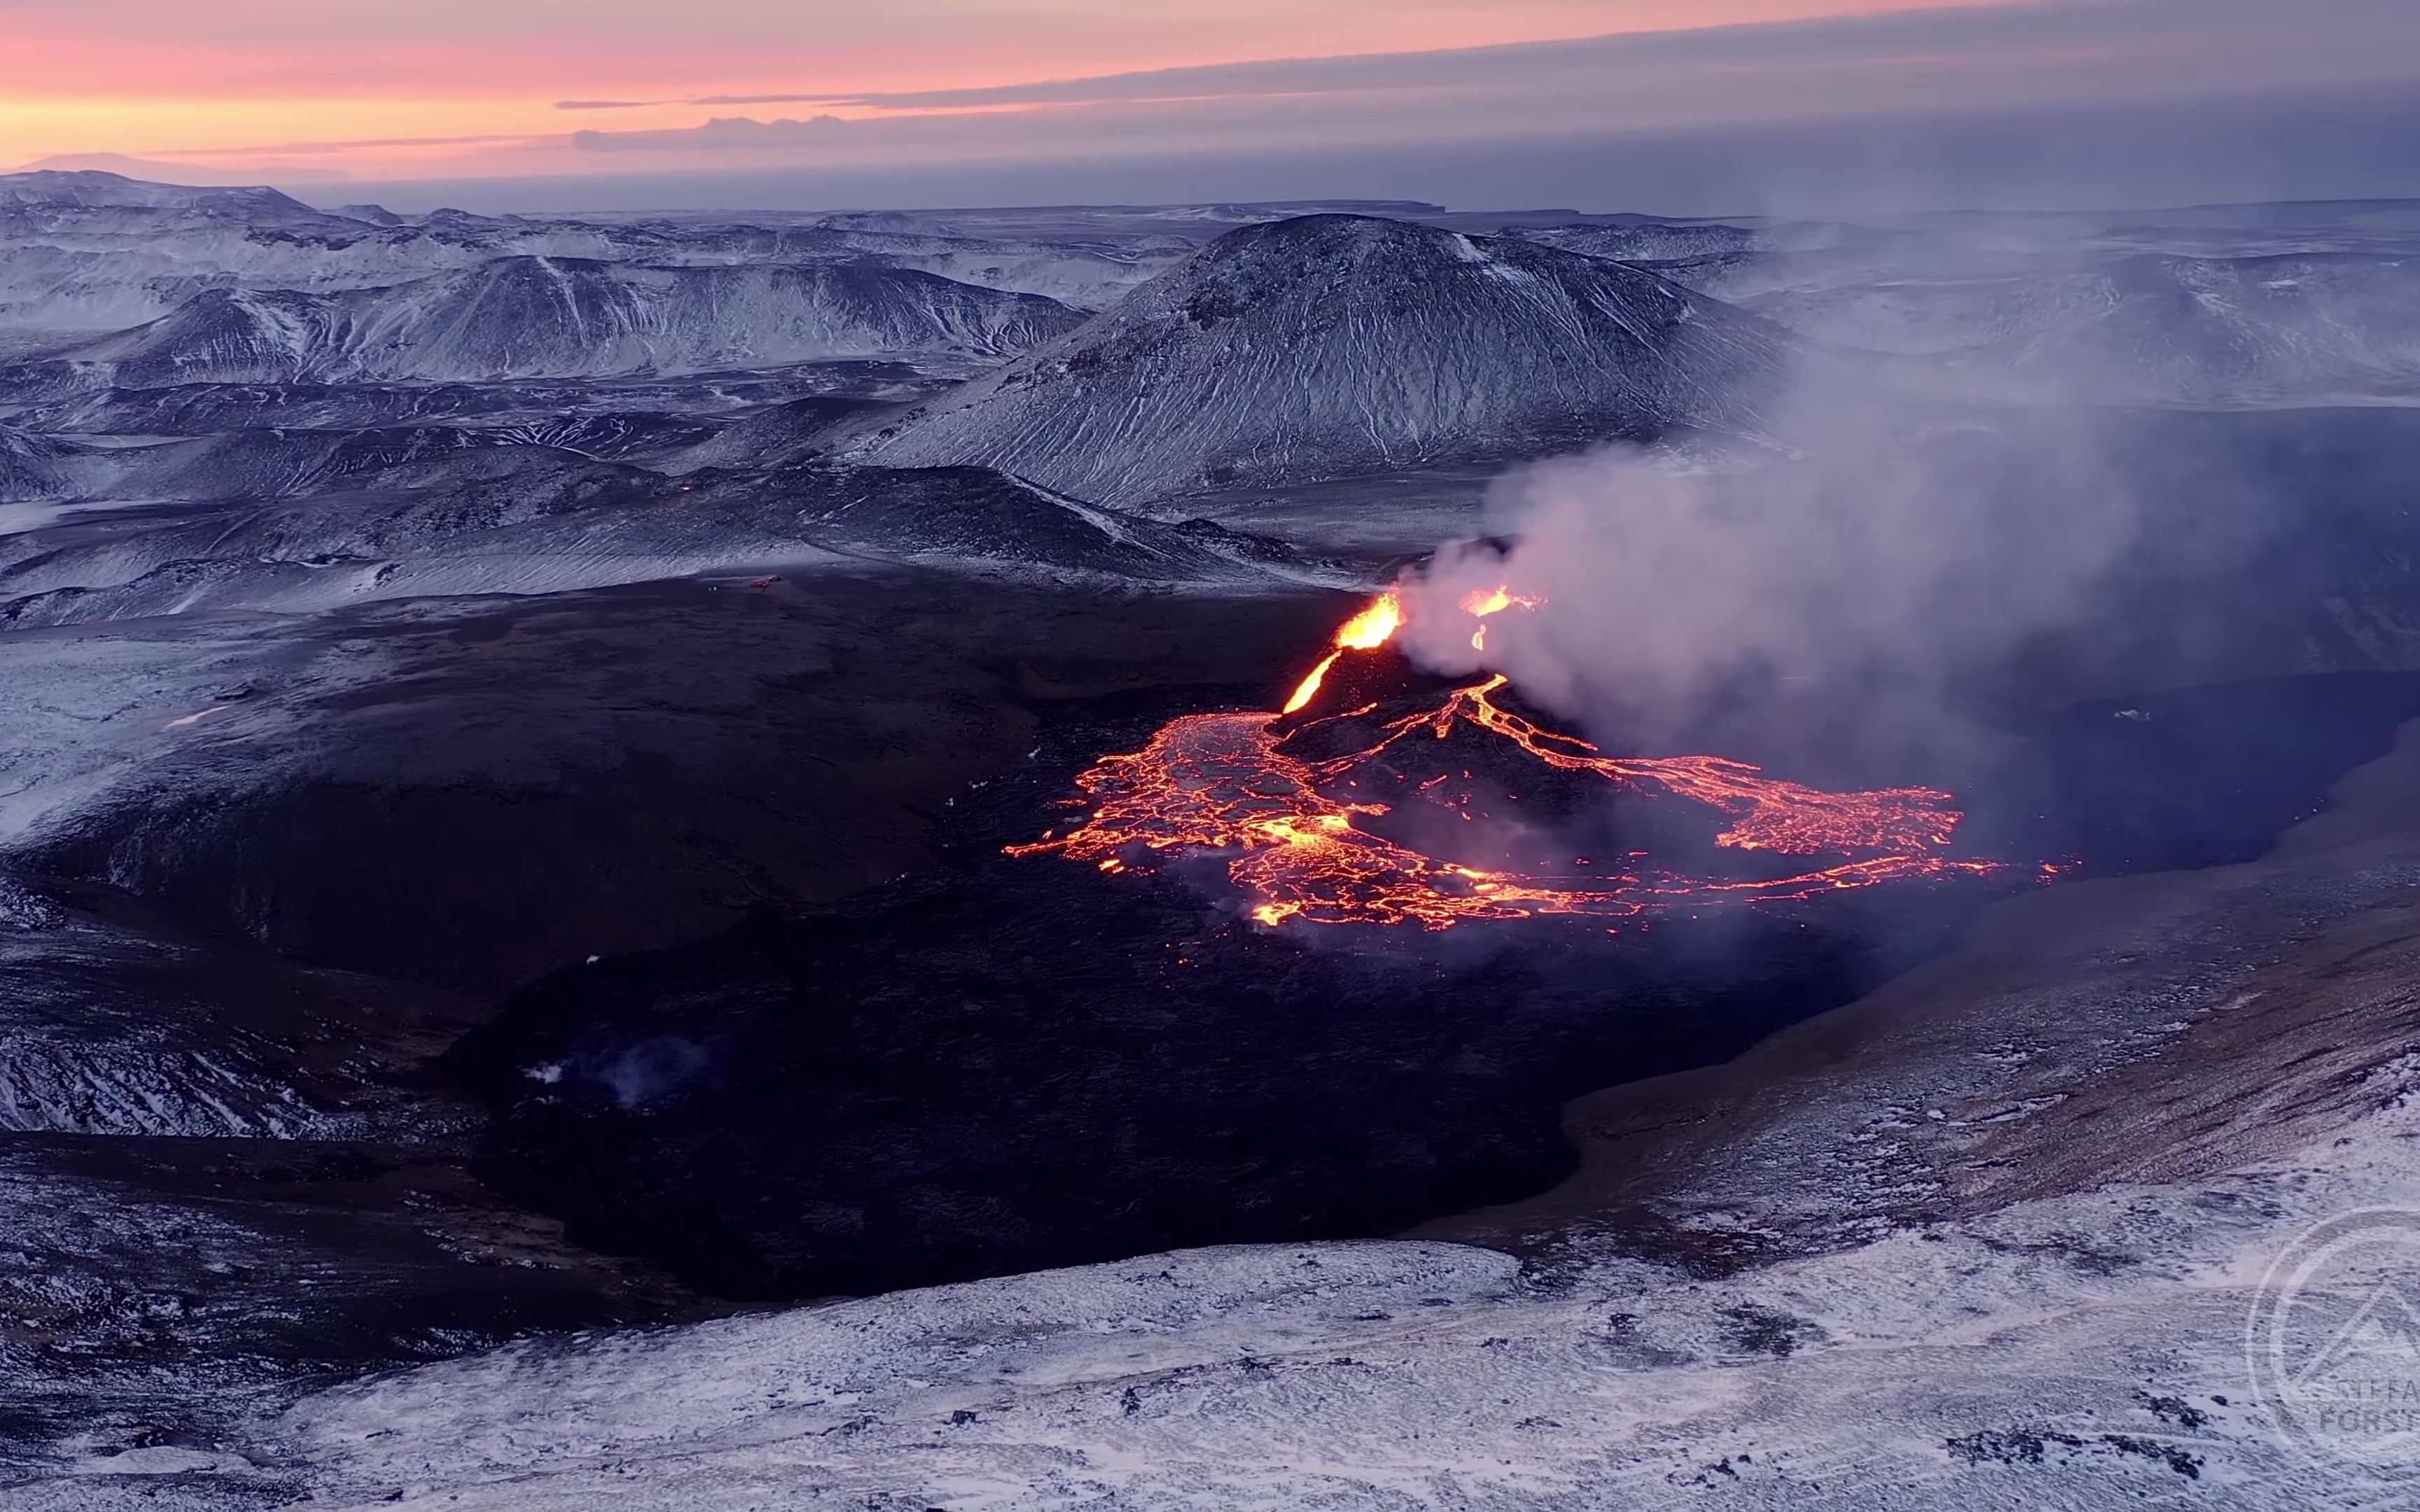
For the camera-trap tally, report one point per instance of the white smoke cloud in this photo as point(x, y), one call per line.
point(1903, 553)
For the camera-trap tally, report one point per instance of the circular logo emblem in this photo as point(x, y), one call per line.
point(2332, 1343)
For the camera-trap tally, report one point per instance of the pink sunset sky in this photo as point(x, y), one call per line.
point(382, 90)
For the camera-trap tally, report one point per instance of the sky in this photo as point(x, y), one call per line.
point(652, 103)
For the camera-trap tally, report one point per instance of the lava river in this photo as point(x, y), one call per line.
point(1303, 843)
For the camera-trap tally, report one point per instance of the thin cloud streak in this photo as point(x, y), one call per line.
point(2324, 144)
point(2049, 30)
point(2047, 55)
point(357, 144)
point(2073, 54)
point(470, 54)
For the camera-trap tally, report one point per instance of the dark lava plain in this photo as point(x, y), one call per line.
point(1011, 1064)
point(997, 1065)
point(834, 1042)
point(517, 784)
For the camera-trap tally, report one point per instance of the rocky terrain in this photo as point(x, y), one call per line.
point(515, 998)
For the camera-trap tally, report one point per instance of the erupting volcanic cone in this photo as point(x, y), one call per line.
point(1381, 677)
point(1383, 795)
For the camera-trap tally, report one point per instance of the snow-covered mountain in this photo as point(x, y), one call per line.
point(516, 318)
point(85, 251)
point(54, 195)
point(89, 251)
point(2017, 309)
point(2146, 328)
point(1332, 344)
point(304, 521)
point(29, 467)
point(1653, 241)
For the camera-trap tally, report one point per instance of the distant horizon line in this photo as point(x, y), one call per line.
point(1310, 205)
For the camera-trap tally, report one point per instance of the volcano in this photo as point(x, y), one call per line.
point(1380, 795)
point(1008, 1062)
point(1333, 345)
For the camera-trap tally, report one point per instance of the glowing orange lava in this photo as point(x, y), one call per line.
point(1220, 784)
point(1366, 631)
point(1481, 602)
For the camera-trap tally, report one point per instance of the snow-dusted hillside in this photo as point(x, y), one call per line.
point(430, 510)
point(517, 317)
point(1088, 274)
point(1651, 243)
point(49, 198)
point(30, 468)
point(2147, 328)
point(1331, 345)
point(2085, 317)
point(85, 251)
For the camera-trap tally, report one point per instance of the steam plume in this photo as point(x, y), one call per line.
point(1901, 553)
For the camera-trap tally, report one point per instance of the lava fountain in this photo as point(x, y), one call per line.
point(1302, 844)
point(1366, 631)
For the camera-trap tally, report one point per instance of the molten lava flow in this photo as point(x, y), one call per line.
point(1481, 602)
point(1220, 784)
point(1771, 816)
point(1366, 631)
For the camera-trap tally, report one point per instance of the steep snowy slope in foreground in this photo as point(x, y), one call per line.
point(1999, 1366)
point(1332, 344)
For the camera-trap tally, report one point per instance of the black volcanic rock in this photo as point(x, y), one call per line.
point(1034, 1064)
point(1381, 677)
point(1332, 344)
point(1008, 1064)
